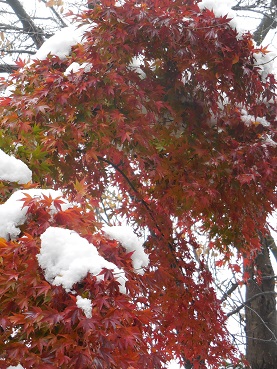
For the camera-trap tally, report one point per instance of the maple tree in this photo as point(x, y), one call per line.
point(187, 134)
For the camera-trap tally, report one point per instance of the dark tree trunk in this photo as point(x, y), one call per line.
point(261, 327)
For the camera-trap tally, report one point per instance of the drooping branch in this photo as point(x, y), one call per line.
point(29, 26)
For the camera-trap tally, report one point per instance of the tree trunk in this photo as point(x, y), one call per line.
point(260, 311)
point(268, 22)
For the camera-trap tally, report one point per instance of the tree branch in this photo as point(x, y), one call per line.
point(18, 51)
point(244, 304)
point(228, 293)
point(264, 27)
point(8, 68)
point(29, 26)
point(57, 15)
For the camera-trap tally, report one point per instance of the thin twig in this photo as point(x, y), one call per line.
point(244, 304)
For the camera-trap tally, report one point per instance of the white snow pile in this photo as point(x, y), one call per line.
point(13, 170)
point(84, 304)
point(61, 42)
point(135, 65)
point(265, 62)
point(268, 141)
point(249, 119)
point(76, 67)
point(128, 239)
point(67, 258)
point(13, 215)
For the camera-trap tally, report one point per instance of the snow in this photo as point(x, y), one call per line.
point(135, 65)
point(12, 214)
point(119, 3)
point(249, 119)
point(67, 258)
point(15, 367)
point(60, 43)
point(129, 240)
point(13, 170)
point(265, 62)
point(76, 67)
point(268, 141)
point(85, 304)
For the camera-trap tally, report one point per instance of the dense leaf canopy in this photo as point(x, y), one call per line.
point(171, 109)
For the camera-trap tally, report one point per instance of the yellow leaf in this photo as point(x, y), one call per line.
point(3, 242)
point(51, 3)
point(235, 59)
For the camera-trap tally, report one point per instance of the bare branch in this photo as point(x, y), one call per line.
point(228, 293)
point(57, 15)
point(244, 304)
point(8, 68)
point(268, 21)
point(18, 51)
point(29, 26)
point(264, 27)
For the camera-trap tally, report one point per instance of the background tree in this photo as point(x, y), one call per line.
point(267, 9)
point(188, 109)
point(260, 313)
point(25, 26)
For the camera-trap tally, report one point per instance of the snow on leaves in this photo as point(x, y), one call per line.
point(67, 258)
point(91, 290)
point(131, 243)
point(14, 211)
point(13, 170)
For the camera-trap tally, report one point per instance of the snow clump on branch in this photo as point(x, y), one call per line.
point(13, 170)
point(61, 42)
point(67, 258)
point(84, 304)
point(76, 67)
point(265, 62)
point(128, 239)
point(13, 214)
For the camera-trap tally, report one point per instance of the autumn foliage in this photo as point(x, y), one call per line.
point(172, 137)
